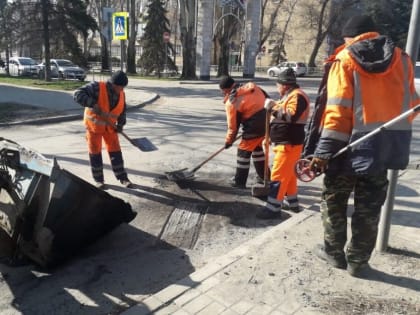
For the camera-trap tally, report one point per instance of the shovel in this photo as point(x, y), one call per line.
point(143, 143)
point(184, 174)
point(259, 190)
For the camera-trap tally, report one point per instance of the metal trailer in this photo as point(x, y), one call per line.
point(47, 213)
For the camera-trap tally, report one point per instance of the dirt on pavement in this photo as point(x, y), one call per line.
point(18, 112)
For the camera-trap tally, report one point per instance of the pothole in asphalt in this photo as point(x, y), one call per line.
point(183, 225)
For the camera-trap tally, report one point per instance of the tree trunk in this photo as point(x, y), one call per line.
point(252, 32)
point(131, 49)
point(46, 34)
point(187, 20)
point(105, 60)
point(204, 38)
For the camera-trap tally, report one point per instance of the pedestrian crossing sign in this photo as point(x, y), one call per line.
point(119, 25)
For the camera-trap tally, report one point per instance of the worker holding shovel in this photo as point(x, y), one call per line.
point(287, 132)
point(244, 104)
point(104, 116)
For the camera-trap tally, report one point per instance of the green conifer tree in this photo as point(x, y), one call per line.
point(156, 53)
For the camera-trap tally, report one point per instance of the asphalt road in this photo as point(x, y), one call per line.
point(178, 228)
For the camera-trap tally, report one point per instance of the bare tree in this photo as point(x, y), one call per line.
point(98, 6)
point(187, 23)
point(270, 15)
point(131, 48)
point(252, 32)
point(45, 7)
point(319, 17)
point(285, 9)
point(228, 24)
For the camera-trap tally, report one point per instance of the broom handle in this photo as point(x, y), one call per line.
point(212, 156)
point(267, 144)
point(125, 136)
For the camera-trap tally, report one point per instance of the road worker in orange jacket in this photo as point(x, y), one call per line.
point(287, 132)
point(104, 116)
point(369, 83)
point(244, 105)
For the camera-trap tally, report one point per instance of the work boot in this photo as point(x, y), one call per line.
point(295, 209)
point(334, 261)
point(235, 184)
point(266, 214)
point(126, 183)
point(358, 270)
point(259, 180)
point(100, 185)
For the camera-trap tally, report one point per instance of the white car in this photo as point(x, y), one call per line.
point(23, 66)
point(417, 77)
point(298, 67)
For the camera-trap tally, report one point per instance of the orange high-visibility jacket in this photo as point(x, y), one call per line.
point(105, 119)
point(290, 115)
point(245, 105)
point(370, 83)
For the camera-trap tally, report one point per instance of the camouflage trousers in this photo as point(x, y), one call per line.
point(369, 196)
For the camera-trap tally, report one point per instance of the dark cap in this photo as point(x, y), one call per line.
point(226, 82)
point(358, 25)
point(287, 76)
point(119, 78)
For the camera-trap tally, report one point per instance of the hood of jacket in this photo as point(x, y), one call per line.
point(372, 52)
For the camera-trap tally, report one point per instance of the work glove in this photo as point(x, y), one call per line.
point(227, 145)
point(96, 109)
point(232, 95)
point(269, 104)
point(318, 165)
point(268, 142)
point(119, 128)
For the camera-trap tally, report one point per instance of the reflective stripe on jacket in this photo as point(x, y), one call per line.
point(245, 105)
point(105, 118)
point(363, 94)
point(290, 116)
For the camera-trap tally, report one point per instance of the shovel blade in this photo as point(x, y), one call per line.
point(144, 144)
point(180, 175)
point(260, 190)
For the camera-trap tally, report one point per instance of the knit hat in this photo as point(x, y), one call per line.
point(287, 76)
point(119, 78)
point(226, 82)
point(358, 25)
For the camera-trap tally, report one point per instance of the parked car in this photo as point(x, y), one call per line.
point(53, 72)
point(299, 68)
point(23, 66)
point(68, 70)
point(417, 77)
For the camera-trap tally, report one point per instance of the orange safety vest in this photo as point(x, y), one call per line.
point(287, 106)
point(100, 121)
point(248, 101)
point(360, 101)
point(369, 99)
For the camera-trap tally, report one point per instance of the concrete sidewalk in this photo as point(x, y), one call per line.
point(277, 273)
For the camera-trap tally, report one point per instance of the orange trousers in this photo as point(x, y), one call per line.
point(250, 144)
point(283, 169)
point(94, 141)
